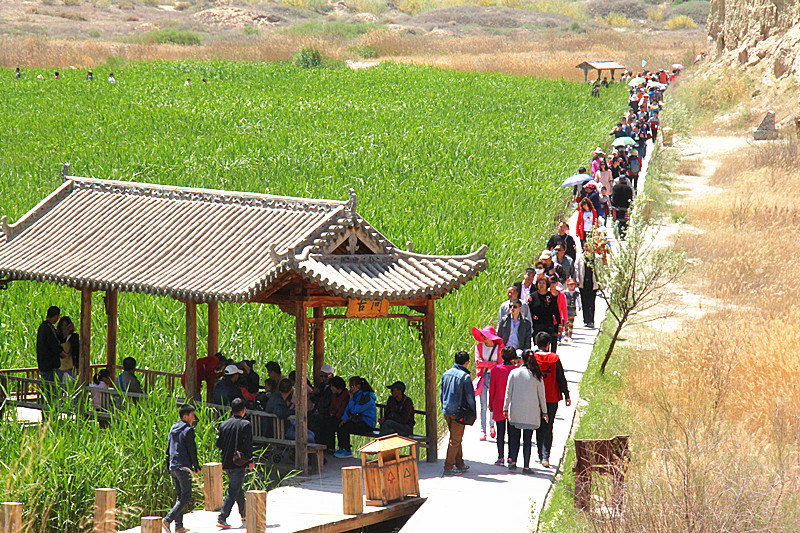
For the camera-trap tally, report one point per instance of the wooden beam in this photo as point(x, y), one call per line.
point(319, 342)
point(319, 320)
point(111, 331)
point(191, 351)
point(213, 328)
point(301, 399)
point(84, 364)
point(429, 353)
point(329, 301)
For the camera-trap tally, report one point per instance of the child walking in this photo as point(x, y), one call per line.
point(573, 298)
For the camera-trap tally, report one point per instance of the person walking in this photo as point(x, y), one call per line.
point(563, 236)
point(515, 330)
point(48, 346)
point(525, 407)
point(487, 355)
point(544, 309)
point(587, 285)
point(587, 220)
point(505, 308)
point(458, 406)
point(555, 385)
point(181, 461)
point(497, 397)
point(235, 440)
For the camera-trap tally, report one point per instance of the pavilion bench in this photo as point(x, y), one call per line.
point(422, 440)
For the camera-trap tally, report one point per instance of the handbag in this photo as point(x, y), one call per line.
point(466, 416)
point(238, 457)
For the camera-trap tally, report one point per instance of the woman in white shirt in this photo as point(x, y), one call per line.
point(525, 407)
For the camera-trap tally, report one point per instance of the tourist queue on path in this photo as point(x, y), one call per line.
point(519, 379)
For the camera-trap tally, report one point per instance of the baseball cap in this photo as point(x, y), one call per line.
point(399, 385)
point(233, 369)
point(327, 369)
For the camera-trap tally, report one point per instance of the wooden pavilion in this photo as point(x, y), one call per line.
point(599, 66)
point(203, 246)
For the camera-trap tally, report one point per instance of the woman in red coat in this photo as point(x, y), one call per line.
point(487, 355)
point(497, 395)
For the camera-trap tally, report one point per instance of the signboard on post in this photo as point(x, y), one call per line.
point(360, 308)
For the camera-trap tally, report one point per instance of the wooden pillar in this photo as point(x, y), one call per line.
point(429, 353)
point(300, 400)
point(319, 343)
point(105, 511)
point(191, 350)
point(12, 518)
point(85, 372)
point(352, 490)
point(111, 331)
point(256, 504)
point(213, 328)
point(212, 486)
point(151, 524)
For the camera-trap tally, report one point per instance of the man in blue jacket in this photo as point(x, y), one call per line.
point(182, 461)
point(457, 392)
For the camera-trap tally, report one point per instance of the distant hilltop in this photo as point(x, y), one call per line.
point(756, 32)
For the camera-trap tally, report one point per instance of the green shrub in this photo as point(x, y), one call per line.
point(630, 8)
point(95, 34)
point(366, 51)
point(618, 20)
point(657, 14)
point(308, 58)
point(170, 36)
point(412, 7)
point(333, 28)
point(697, 10)
point(680, 22)
point(369, 6)
point(560, 7)
point(320, 6)
point(251, 30)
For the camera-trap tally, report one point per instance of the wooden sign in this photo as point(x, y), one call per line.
point(360, 308)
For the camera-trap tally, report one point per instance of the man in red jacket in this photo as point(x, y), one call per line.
point(555, 385)
point(208, 369)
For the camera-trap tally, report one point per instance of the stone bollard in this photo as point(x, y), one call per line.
point(352, 490)
point(105, 511)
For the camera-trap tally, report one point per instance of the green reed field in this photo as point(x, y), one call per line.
point(448, 160)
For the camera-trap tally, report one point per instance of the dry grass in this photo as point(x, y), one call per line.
point(718, 414)
point(551, 54)
point(689, 167)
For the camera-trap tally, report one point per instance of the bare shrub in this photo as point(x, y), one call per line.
point(629, 8)
point(689, 167)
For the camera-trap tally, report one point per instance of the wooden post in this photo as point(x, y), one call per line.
point(111, 331)
point(213, 328)
point(12, 518)
point(151, 524)
point(352, 490)
point(300, 398)
point(429, 353)
point(212, 486)
point(319, 343)
point(84, 370)
point(256, 504)
point(105, 511)
point(191, 350)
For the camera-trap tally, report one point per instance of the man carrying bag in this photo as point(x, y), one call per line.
point(458, 406)
point(235, 439)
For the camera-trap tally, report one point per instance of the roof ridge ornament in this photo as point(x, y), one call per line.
point(352, 202)
point(273, 253)
point(65, 172)
point(8, 229)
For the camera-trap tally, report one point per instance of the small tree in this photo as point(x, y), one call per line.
point(631, 278)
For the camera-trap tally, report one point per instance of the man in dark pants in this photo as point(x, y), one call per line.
point(235, 439)
point(182, 461)
point(587, 284)
point(621, 197)
point(399, 415)
point(555, 387)
point(48, 347)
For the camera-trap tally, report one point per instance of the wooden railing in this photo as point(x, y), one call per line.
point(150, 378)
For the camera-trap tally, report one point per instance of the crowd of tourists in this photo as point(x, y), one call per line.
point(519, 379)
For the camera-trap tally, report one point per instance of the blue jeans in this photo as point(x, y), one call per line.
point(183, 492)
point(485, 401)
point(234, 494)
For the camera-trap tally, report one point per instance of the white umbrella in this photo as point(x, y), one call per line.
point(677, 66)
point(577, 179)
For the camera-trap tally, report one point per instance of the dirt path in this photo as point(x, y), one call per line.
point(688, 302)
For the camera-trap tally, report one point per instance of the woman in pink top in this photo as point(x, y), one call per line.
point(557, 290)
point(497, 395)
point(487, 355)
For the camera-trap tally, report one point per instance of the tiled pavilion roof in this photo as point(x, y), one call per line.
point(211, 245)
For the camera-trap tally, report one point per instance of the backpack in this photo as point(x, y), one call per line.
point(634, 165)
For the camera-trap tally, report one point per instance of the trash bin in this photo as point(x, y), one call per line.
point(666, 136)
point(389, 475)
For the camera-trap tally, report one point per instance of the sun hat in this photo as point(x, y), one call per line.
point(233, 369)
point(327, 369)
point(488, 333)
point(399, 385)
point(599, 151)
point(590, 185)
